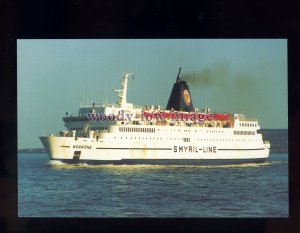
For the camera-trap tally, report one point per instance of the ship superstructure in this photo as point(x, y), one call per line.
point(123, 133)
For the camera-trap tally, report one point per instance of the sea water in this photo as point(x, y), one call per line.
point(54, 189)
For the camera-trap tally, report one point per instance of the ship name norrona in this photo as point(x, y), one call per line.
point(82, 147)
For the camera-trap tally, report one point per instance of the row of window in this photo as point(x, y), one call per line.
point(202, 139)
point(77, 119)
point(214, 131)
point(196, 131)
point(92, 128)
point(152, 130)
point(244, 132)
point(136, 130)
point(248, 124)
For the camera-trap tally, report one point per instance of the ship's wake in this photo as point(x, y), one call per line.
point(60, 164)
point(56, 163)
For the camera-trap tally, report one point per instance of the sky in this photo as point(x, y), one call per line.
point(227, 75)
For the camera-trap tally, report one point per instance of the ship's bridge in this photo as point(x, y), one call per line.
point(78, 121)
point(240, 121)
point(90, 109)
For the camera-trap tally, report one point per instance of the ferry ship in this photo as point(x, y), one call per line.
point(123, 133)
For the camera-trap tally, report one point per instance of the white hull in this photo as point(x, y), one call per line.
point(88, 150)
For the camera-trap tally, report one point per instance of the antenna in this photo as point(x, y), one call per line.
point(178, 78)
point(91, 96)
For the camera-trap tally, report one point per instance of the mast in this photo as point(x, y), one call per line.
point(122, 94)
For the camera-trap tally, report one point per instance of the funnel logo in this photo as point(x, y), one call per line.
point(186, 97)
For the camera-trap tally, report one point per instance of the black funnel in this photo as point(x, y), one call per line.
point(180, 98)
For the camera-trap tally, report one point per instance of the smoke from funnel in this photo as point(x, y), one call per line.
point(220, 76)
point(233, 90)
point(206, 77)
